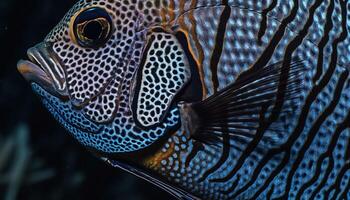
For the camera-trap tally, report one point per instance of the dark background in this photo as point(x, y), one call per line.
point(38, 159)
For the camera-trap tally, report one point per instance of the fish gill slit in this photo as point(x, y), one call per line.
point(219, 43)
point(263, 23)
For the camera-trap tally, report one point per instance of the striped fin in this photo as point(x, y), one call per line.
point(236, 110)
point(231, 117)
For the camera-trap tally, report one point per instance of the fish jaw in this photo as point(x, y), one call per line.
point(39, 69)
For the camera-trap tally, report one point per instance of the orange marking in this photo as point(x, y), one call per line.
point(25, 69)
point(171, 10)
point(163, 14)
point(154, 161)
point(199, 48)
point(182, 6)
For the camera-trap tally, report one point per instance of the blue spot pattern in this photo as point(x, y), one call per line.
point(121, 135)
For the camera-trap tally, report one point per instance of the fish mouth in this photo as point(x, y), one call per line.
point(44, 69)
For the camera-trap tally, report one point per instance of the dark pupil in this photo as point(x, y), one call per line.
point(93, 30)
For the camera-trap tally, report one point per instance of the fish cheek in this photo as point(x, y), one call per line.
point(163, 72)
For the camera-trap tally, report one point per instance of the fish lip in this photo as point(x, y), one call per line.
point(33, 73)
point(39, 69)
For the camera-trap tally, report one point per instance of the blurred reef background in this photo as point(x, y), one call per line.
point(38, 159)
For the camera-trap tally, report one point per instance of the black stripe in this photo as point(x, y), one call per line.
point(330, 165)
point(270, 49)
point(139, 76)
point(225, 149)
point(286, 148)
point(323, 82)
point(233, 186)
point(321, 45)
point(345, 193)
point(219, 44)
point(314, 130)
point(270, 193)
point(325, 177)
point(279, 168)
point(263, 24)
point(347, 153)
point(197, 147)
point(215, 59)
point(259, 132)
point(262, 61)
point(336, 184)
point(328, 154)
point(309, 183)
point(313, 95)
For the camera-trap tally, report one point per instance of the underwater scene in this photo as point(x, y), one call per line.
point(175, 99)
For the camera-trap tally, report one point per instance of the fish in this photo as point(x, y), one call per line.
point(206, 99)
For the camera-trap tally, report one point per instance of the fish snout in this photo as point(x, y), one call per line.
point(44, 69)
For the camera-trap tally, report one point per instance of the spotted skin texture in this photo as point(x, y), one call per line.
point(164, 73)
point(223, 40)
point(99, 80)
point(304, 163)
point(103, 108)
point(89, 72)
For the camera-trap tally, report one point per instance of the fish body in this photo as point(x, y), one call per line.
point(206, 99)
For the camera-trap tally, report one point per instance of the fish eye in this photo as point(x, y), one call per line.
point(92, 28)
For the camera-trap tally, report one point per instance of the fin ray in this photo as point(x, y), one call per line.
point(235, 110)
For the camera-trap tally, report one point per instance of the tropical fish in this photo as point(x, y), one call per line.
point(207, 99)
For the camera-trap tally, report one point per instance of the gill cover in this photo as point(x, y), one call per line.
point(163, 72)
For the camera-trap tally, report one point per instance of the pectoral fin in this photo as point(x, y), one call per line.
point(235, 112)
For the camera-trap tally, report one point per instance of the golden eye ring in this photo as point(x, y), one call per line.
point(91, 28)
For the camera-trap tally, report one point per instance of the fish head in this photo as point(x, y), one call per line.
point(107, 77)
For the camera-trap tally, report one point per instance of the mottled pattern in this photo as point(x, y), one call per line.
point(103, 108)
point(223, 39)
point(99, 80)
point(119, 136)
point(304, 164)
point(164, 72)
